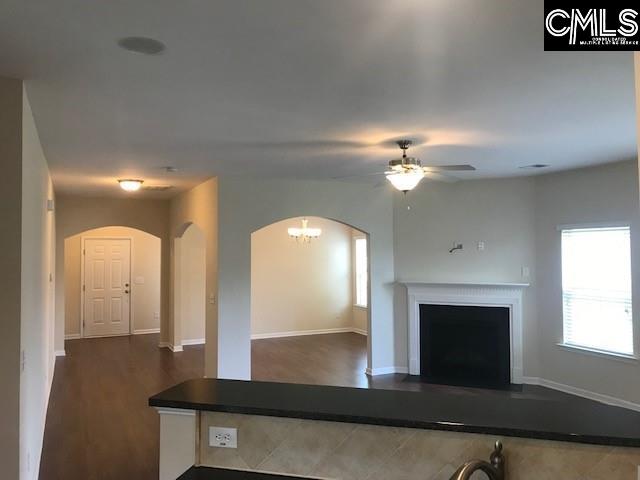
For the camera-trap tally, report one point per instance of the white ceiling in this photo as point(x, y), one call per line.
point(308, 88)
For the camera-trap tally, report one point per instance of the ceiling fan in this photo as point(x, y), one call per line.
point(405, 173)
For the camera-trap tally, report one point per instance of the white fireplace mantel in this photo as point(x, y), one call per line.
point(471, 294)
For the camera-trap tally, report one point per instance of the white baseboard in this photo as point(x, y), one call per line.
point(173, 348)
point(72, 336)
point(300, 333)
point(145, 331)
point(598, 397)
point(386, 370)
point(193, 341)
point(359, 331)
point(60, 353)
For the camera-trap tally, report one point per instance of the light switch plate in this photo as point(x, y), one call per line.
point(223, 437)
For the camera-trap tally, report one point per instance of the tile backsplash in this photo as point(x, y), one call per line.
point(333, 450)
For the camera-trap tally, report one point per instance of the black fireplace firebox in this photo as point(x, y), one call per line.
point(465, 345)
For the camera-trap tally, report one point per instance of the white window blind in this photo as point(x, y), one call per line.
point(361, 271)
point(596, 289)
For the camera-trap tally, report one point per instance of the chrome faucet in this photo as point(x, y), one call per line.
point(494, 468)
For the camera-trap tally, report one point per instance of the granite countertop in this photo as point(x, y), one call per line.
point(209, 473)
point(583, 422)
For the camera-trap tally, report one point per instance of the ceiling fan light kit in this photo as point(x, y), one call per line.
point(405, 181)
point(405, 173)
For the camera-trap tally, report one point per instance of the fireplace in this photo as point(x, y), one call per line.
point(469, 303)
point(465, 345)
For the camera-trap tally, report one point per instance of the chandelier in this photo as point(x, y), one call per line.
point(304, 234)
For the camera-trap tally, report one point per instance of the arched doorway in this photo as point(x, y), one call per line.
point(112, 278)
point(309, 303)
point(189, 287)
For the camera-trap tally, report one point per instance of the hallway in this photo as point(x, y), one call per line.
point(99, 426)
point(98, 423)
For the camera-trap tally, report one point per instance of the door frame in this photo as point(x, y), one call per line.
point(82, 284)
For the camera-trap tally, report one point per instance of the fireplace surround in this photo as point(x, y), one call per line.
point(506, 295)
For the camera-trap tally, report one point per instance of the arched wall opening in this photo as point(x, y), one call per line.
point(133, 278)
point(303, 288)
point(189, 287)
point(246, 205)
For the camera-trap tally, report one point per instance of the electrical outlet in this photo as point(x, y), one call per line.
point(481, 246)
point(526, 272)
point(223, 437)
point(212, 299)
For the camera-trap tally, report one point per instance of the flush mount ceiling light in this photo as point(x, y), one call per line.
point(143, 45)
point(130, 185)
point(304, 234)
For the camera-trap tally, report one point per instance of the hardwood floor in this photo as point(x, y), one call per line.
point(333, 359)
point(99, 426)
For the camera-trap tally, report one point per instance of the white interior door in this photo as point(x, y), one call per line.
point(107, 286)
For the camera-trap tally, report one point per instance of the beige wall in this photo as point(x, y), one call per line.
point(199, 206)
point(145, 278)
point(608, 193)
point(636, 61)
point(76, 214)
point(248, 204)
point(27, 244)
point(37, 323)
point(518, 220)
point(10, 265)
point(190, 289)
point(498, 212)
point(301, 287)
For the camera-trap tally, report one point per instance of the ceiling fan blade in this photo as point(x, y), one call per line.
point(449, 168)
point(440, 177)
point(358, 175)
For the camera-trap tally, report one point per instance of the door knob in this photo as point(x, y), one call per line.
point(126, 291)
point(126, 284)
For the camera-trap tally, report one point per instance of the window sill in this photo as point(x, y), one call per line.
point(619, 357)
point(363, 307)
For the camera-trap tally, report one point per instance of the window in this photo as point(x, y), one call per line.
point(361, 271)
point(596, 289)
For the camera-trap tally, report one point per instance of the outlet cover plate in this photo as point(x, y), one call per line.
point(223, 437)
